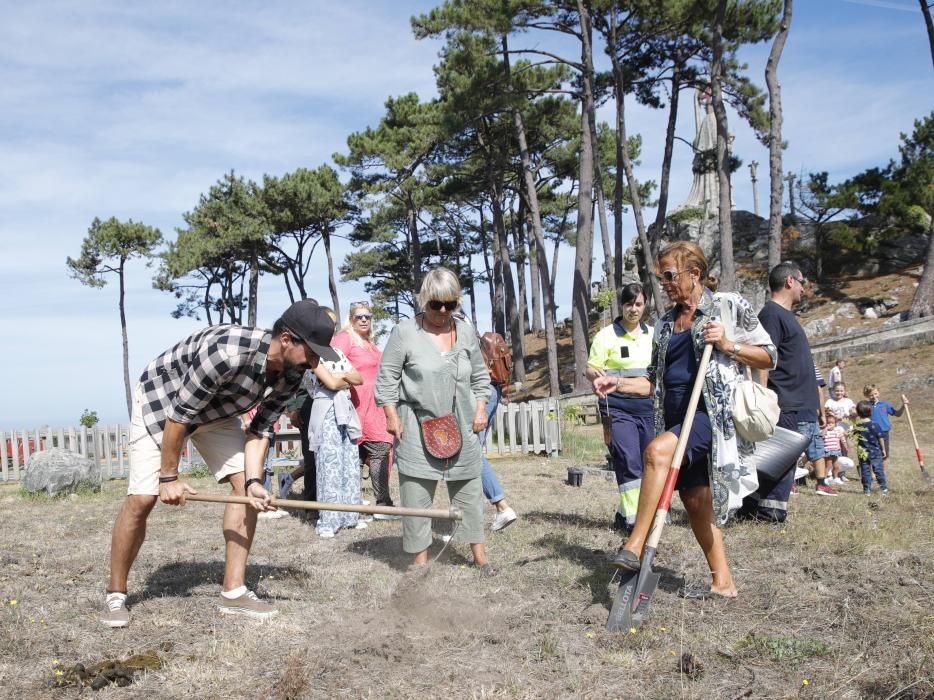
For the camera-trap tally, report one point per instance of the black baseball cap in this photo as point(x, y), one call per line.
point(306, 320)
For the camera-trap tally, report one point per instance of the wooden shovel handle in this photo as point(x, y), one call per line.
point(450, 514)
point(664, 503)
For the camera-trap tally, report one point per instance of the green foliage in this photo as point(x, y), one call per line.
point(301, 208)
point(859, 430)
point(210, 260)
point(603, 299)
point(198, 471)
point(88, 418)
point(781, 648)
point(686, 214)
point(107, 248)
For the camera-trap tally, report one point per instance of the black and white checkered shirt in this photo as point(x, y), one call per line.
point(218, 372)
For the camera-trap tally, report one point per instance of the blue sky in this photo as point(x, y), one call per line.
point(133, 110)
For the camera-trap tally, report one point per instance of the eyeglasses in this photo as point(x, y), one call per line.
point(668, 276)
point(800, 280)
point(436, 305)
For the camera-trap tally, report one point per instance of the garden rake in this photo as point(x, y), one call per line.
point(924, 472)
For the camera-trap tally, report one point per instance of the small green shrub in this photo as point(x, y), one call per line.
point(198, 471)
point(780, 648)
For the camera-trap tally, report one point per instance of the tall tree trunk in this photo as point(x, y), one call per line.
point(775, 138)
point(609, 268)
point(522, 255)
point(583, 258)
point(490, 272)
point(922, 304)
point(126, 341)
point(554, 265)
point(727, 267)
point(253, 290)
point(928, 23)
point(499, 304)
point(415, 245)
point(622, 154)
point(511, 309)
point(540, 261)
point(661, 213)
point(332, 283)
point(534, 283)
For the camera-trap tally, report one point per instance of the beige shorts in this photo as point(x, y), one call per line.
point(220, 443)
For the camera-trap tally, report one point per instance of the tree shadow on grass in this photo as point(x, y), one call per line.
point(183, 577)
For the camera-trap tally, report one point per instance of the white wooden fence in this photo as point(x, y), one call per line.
point(518, 428)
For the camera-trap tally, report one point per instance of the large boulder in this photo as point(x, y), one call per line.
point(56, 470)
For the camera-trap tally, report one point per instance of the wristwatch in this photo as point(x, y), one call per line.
point(735, 351)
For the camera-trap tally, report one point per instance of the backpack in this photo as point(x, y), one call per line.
point(498, 357)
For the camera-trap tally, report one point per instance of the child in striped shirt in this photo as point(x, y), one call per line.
point(835, 448)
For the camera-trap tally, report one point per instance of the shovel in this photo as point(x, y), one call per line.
point(924, 472)
point(450, 514)
point(636, 589)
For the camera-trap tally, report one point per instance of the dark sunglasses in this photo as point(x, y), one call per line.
point(800, 280)
point(363, 317)
point(668, 276)
point(436, 305)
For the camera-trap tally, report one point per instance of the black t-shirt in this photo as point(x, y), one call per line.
point(793, 378)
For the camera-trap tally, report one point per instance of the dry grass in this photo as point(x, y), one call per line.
point(834, 604)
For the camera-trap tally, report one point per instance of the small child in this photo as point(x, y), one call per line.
point(870, 449)
point(841, 405)
point(835, 446)
point(881, 410)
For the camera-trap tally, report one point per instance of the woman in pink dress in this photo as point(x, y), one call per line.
point(356, 341)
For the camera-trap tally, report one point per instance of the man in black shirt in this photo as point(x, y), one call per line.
point(794, 381)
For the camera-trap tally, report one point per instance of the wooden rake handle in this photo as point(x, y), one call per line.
point(911, 426)
point(450, 514)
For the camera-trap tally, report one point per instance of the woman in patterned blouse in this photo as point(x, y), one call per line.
point(719, 467)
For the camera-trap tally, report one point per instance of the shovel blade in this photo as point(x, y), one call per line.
point(632, 601)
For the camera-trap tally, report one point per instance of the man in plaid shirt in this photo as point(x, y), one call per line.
point(198, 389)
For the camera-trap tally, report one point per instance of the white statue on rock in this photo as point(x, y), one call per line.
point(705, 192)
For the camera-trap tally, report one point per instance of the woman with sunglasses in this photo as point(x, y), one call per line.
point(719, 467)
point(432, 366)
point(356, 342)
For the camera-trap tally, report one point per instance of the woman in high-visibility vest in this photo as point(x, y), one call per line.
point(624, 350)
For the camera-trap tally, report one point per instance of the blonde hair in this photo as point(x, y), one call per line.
point(355, 337)
point(440, 284)
point(689, 256)
point(868, 389)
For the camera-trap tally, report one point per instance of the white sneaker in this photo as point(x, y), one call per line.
point(800, 473)
point(326, 534)
point(271, 514)
point(504, 519)
point(115, 613)
point(247, 605)
point(445, 538)
point(285, 485)
point(361, 525)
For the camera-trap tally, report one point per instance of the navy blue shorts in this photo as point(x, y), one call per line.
point(694, 471)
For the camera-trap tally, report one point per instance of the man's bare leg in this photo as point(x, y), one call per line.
point(127, 537)
point(239, 529)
